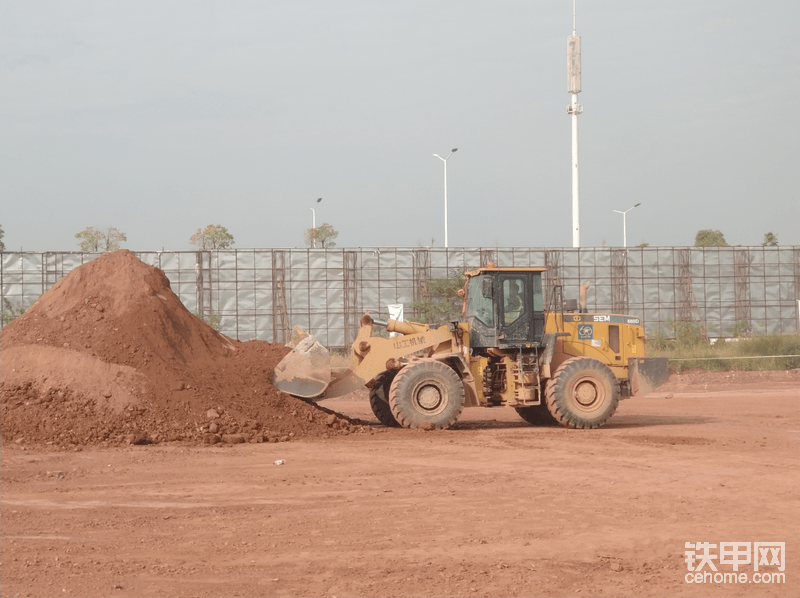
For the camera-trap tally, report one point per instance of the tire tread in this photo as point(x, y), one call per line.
point(564, 417)
point(406, 420)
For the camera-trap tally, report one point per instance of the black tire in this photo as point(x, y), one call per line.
point(427, 394)
point(583, 393)
point(380, 403)
point(537, 415)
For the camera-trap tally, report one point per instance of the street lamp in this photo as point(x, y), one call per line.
point(314, 225)
point(452, 151)
point(624, 224)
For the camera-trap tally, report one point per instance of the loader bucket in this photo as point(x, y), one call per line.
point(306, 371)
point(646, 374)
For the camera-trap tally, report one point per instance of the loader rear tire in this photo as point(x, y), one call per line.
point(427, 394)
point(537, 415)
point(583, 393)
point(379, 401)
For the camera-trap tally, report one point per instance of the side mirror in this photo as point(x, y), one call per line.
point(486, 288)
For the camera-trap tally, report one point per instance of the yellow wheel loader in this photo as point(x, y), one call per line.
point(552, 363)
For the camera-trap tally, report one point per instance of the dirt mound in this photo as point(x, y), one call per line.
point(110, 355)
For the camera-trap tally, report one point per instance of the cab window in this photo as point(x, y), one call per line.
point(477, 304)
point(513, 299)
point(538, 295)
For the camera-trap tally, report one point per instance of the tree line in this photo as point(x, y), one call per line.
point(215, 236)
point(714, 238)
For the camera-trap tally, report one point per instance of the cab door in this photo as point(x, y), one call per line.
point(520, 308)
point(514, 307)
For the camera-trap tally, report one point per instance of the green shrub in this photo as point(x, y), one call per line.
point(756, 352)
point(212, 320)
point(687, 334)
point(10, 312)
point(658, 341)
point(740, 329)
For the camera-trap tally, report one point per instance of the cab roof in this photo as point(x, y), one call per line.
point(494, 268)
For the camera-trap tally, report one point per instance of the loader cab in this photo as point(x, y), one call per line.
point(505, 307)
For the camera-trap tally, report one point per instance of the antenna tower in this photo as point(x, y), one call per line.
point(574, 109)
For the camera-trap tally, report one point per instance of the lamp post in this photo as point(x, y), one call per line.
point(314, 225)
point(452, 151)
point(624, 224)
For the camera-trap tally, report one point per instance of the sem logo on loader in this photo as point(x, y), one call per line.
point(606, 318)
point(408, 342)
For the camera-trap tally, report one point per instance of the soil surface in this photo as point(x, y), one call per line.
point(494, 507)
point(145, 454)
point(110, 356)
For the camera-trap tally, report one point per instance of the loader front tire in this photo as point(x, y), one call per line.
point(379, 401)
point(537, 415)
point(583, 393)
point(427, 394)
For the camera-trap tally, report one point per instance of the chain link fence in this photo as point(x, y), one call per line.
point(263, 293)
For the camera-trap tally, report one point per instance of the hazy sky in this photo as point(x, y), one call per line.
point(160, 117)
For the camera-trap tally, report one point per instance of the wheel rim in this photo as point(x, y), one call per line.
point(429, 399)
point(588, 394)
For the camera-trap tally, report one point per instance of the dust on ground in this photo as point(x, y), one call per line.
point(494, 507)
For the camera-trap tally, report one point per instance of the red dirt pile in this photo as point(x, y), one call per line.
point(109, 355)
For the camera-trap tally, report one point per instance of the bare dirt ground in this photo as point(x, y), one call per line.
point(494, 507)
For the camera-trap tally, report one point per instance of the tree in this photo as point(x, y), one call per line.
point(322, 236)
point(710, 238)
point(94, 240)
point(214, 236)
point(10, 312)
point(89, 239)
point(770, 240)
point(2, 234)
point(443, 303)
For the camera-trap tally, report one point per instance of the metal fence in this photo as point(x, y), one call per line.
point(263, 293)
